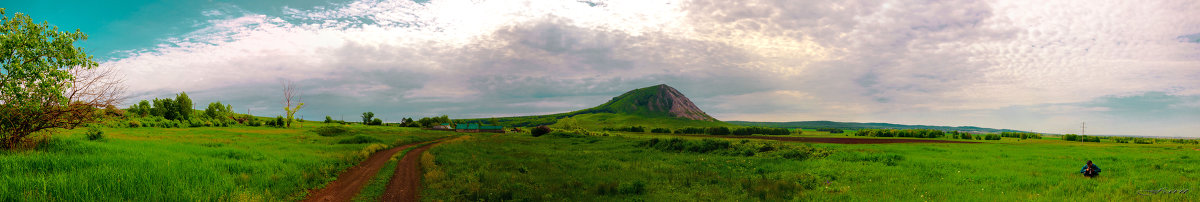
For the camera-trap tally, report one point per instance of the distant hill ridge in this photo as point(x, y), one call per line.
point(654, 103)
point(855, 125)
point(658, 100)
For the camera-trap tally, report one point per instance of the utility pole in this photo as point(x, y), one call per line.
point(1083, 128)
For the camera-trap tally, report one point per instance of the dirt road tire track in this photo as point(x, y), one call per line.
point(406, 182)
point(350, 182)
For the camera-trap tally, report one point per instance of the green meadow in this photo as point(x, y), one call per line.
point(190, 164)
point(620, 167)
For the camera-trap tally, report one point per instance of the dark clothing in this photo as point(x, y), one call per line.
point(1090, 173)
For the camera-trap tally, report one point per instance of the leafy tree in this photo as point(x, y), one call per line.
point(408, 122)
point(429, 122)
point(366, 117)
point(328, 119)
point(45, 81)
point(216, 111)
point(143, 108)
point(377, 121)
point(183, 106)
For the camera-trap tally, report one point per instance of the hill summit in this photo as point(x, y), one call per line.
point(658, 100)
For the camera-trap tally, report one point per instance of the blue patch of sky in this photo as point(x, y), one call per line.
point(1193, 38)
point(1149, 105)
point(116, 27)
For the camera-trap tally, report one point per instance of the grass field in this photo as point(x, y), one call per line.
point(188, 164)
point(521, 167)
point(271, 164)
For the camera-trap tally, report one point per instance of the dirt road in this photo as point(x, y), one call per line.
point(406, 182)
point(352, 180)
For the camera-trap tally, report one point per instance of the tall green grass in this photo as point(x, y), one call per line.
point(511, 167)
point(185, 164)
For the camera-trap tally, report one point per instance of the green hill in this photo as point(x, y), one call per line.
point(654, 106)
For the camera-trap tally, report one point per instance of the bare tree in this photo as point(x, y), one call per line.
point(86, 93)
point(97, 87)
point(290, 96)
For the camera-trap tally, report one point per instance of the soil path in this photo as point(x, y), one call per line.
point(838, 140)
point(352, 180)
point(406, 182)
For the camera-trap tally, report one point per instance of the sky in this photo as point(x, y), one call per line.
point(1123, 67)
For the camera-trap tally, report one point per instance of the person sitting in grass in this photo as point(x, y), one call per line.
point(1090, 170)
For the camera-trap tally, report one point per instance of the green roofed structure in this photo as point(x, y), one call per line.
point(474, 127)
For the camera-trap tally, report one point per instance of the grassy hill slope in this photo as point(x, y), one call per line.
point(654, 106)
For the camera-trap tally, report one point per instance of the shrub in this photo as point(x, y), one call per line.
point(539, 131)
point(803, 153)
point(377, 122)
point(328, 119)
point(660, 130)
point(279, 123)
point(328, 131)
point(134, 124)
point(360, 139)
point(992, 137)
point(94, 133)
point(370, 149)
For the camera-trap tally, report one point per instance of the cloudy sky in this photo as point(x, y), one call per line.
point(1124, 67)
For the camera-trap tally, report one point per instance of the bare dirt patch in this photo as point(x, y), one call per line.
point(838, 140)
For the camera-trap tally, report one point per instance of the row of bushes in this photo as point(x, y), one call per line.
point(963, 135)
point(1135, 140)
point(1080, 138)
point(1186, 141)
point(1021, 135)
point(917, 133)
point(720, 130)
point(991, 137)
point(715, 131)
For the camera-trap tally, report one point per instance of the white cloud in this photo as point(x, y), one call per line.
point(838, 60)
